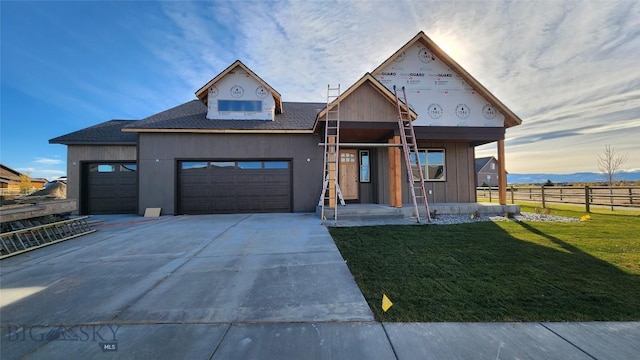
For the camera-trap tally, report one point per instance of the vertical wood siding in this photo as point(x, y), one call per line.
point(367, 104)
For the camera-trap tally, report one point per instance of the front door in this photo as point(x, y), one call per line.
point(348, 173)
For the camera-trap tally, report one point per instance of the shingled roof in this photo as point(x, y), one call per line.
point(106, 133)
point(481, 162)
point(192, 117)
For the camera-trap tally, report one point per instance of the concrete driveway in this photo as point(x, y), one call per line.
point(267, 286)
point(172, 287)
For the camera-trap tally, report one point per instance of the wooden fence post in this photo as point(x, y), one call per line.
point(586, 199)
point(542, 194)
point(512, 202)
point(630, 196)
point(489, 193)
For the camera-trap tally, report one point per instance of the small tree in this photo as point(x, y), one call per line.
point(609, 163)
point(25, 184)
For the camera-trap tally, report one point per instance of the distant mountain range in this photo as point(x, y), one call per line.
point(570, 178)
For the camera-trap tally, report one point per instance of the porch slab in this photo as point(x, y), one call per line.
point(386, 212)
point(467, 208)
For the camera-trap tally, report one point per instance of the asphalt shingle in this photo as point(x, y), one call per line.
point(193, 115)
point(108, 132)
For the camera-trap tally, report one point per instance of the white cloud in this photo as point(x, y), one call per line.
point(48, 161)
point(51, 173)
point(27, 170)
point(41, 173)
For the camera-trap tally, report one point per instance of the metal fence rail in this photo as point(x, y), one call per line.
point(34, 237)
point(617, 196)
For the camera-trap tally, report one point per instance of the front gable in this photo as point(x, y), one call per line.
point(366, 101)
point(237, 93)
point(440, 90)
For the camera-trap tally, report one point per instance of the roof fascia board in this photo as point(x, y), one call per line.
point(218, 131)
point(17, 173)
point(128, 143)
point(510, 118)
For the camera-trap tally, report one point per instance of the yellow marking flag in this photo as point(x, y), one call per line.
point(585, 218)
point(386, 303)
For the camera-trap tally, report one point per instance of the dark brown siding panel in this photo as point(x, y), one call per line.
point(453, 172)
point(160, 156)
point(474, 135)
point(459, 184)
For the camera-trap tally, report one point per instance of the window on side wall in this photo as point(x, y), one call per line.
point(433, 165)
point(365, 167)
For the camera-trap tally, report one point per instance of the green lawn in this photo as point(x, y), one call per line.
point(503, 271)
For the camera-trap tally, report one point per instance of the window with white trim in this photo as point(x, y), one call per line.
point(433, 165)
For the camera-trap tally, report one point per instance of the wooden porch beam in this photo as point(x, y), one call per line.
point(502, 174)
point(395, 173)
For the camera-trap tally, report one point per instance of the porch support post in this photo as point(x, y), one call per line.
point(395, 174)
point(502, 174)
point(332, 174)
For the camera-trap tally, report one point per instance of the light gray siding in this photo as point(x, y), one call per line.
point(159, 154)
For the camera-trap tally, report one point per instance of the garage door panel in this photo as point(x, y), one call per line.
point(196, 180)
point(111, 188)
point(237, 187)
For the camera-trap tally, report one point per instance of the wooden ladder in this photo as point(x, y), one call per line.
point(411, 154)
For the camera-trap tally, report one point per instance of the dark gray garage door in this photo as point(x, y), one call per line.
point(110, 188)
point(226, 187)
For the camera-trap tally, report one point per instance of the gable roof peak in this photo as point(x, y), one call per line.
point(510, 118)
point(367, 78)
point(203, 94)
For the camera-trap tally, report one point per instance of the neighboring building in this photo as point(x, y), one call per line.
point(487, 171)
point(240, 148)
point(10, 179)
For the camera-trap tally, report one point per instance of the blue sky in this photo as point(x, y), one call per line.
point(570, 70)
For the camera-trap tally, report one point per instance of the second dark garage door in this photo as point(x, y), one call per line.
point(226, 187)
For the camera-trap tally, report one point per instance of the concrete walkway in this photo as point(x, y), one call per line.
point(265, 286)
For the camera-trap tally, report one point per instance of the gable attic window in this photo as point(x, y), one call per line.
point(240, 105)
